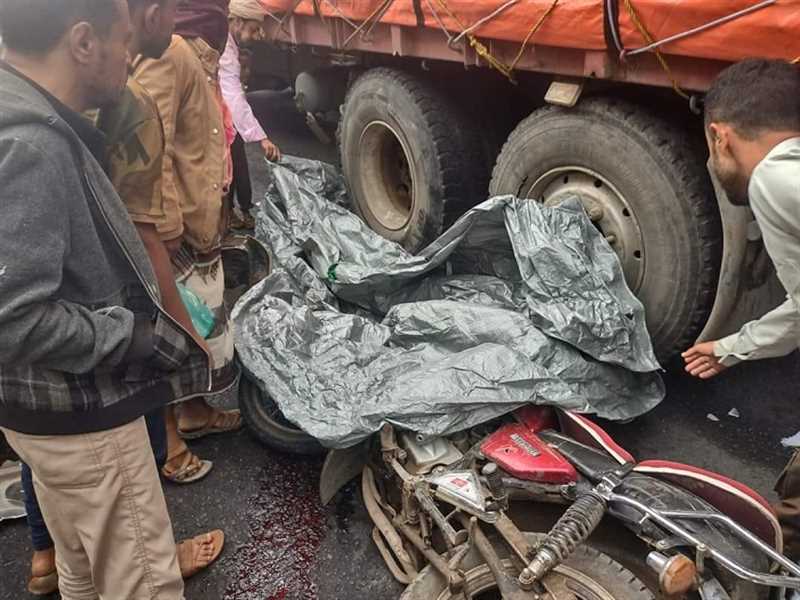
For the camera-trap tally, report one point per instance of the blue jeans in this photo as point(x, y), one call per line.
point(40, 536)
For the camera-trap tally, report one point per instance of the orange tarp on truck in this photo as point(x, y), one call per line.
point(573, 23)
point(773, 31)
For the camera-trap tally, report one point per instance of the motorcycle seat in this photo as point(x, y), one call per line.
point(586, 432)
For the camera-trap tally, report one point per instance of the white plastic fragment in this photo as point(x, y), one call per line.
point(792, 441)
point(734, 412)
point(712, 417)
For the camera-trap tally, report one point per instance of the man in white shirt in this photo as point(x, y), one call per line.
point(246, 18)
point(753, 131)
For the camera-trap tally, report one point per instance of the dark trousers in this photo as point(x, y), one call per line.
point(788, 508)
point(241, 187)
point(40, 536)
point(157, 432)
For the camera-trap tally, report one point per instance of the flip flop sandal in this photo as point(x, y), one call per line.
point(188, 547)
point(192, 468)
point(219, 421)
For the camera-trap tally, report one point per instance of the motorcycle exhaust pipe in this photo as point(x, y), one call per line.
point(676, 574)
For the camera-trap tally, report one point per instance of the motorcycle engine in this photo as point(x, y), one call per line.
point(426, 454)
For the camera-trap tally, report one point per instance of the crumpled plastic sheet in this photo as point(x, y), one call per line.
point(12, 503)
point(516, 303)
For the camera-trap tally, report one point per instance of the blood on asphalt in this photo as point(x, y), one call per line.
point(287, 526)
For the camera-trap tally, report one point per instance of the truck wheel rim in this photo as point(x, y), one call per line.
point(564, 583)
point(606, 206)
point(387, 179)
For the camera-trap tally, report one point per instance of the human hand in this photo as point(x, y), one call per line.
point(702, 362)
point(272, 152)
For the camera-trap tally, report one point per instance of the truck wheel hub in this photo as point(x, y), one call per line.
point(386, 175)
point(605, 206)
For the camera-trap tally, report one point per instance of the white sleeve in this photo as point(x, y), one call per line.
point(775, 200)
point(230, 81)
point(774, 334)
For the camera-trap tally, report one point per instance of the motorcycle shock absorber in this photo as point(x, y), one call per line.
point(573, 528)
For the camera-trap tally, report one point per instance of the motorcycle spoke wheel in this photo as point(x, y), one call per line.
point(563, 583)
point(587, 574)
point(569, 584)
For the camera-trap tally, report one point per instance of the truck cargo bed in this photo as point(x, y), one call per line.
point(587, 38)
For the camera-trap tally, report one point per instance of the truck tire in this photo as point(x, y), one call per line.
point(591, 575)
point(644, 187)
point(265, 421)
point(413, 163)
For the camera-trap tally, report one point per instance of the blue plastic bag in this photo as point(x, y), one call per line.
point(202, 316)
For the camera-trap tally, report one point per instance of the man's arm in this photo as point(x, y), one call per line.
point(245, 122)
point(34, 240)
point(162, 265)
point(774, 334)
point(774, 196)
point(163, 81)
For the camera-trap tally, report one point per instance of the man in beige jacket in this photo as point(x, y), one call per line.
point(196, 174)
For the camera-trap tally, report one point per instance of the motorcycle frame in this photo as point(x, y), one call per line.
point(419, 505)
point(667, 520)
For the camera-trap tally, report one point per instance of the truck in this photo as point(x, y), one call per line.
point(437, 105)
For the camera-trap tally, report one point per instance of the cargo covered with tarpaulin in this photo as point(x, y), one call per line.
point(516, 303)
point(722, 30)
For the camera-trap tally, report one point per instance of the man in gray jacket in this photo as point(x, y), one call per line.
point(86, 348)
point(753, 130)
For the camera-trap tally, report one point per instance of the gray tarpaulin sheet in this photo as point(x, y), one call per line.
point(515, 303)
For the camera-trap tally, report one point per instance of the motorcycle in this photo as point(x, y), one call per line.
point(446, 509)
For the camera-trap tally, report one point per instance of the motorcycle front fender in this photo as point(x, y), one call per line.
point(339, 469)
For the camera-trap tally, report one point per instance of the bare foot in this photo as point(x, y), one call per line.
point(196, 554)
point(197, 419)
point(185, 466)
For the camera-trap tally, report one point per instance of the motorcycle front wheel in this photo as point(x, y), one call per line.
point(265, 420)
point(586, 575)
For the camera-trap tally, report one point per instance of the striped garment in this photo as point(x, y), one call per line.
point(204, 275)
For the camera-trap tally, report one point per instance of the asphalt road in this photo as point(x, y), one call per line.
point(283, 545)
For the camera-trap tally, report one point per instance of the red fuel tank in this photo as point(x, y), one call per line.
point(537, 418)
point(524, 454)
